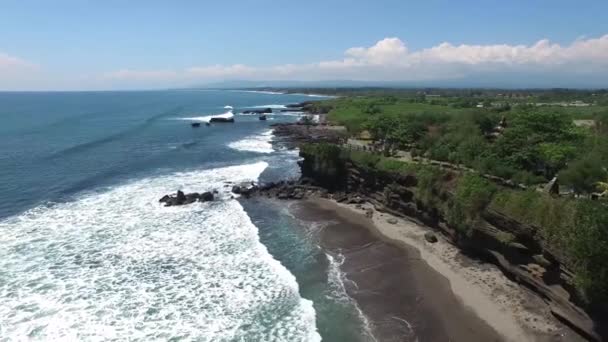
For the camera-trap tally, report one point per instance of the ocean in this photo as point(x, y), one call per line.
point(88, 253)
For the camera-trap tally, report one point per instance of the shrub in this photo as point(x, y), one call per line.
point(575, 229)
point(472, 195)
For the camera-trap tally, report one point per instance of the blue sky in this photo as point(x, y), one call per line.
point(113, 44)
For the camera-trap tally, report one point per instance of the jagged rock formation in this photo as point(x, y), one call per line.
point(181, 199)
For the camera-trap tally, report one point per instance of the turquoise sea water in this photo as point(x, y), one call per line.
point(87, 252)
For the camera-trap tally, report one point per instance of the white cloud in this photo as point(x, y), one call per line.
point(17, 73)
point(386, 51)
point(389, 59)
point(11, 63)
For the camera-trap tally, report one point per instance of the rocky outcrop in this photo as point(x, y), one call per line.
point(221, 120)
point(258, 111)
point(291, 135)
point(430, 237)
point(181, 198)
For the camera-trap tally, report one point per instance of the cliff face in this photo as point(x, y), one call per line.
point(514, 246)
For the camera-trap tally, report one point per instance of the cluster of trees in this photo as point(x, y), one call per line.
point(528, 144)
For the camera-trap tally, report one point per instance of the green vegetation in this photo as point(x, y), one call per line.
point(576, 230)
point(471, 197)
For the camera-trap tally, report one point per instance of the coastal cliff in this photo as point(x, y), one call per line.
point(471, 213)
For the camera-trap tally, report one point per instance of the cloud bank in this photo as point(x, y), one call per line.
point(390, 60)
point(583, 62)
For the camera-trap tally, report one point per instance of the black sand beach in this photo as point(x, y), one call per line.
point(401, 296)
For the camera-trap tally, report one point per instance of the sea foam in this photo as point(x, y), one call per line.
point(117, 265)
point(260, 143)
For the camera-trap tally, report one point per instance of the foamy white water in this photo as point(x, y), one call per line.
point(260, 143)
point(259, 92)
point(118, 265)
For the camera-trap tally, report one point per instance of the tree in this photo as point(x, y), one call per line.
point(583, 174)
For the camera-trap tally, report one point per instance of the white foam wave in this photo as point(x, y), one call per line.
point(315, 95)
point(261, 92)
point(260, 143)
point(117, 265)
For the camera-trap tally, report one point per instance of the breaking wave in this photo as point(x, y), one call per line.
point(116, 264)
point(260, 143)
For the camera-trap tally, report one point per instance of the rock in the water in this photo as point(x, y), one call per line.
point(196, 124)
point(392, 220)
point(221, 119)
point(369, 213)
point(206, 197)
point(258, 111)
point(180, 198)
point(237, 189)
point(430, 237)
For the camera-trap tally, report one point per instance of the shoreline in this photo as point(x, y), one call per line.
point(400, 297)
point(511, 311)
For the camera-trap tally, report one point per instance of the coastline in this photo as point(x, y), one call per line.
point(511, 311)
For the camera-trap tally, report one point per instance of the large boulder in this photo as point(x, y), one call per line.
point(180, 197)
point(206, 197)
point(430, 237)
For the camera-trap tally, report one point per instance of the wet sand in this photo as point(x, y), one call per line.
point(402, 297)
